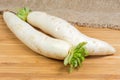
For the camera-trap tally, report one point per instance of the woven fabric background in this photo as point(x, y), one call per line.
point(92, 13)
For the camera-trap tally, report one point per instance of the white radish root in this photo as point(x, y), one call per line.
point(37, 41)
point(45, 45)
point(61, 29)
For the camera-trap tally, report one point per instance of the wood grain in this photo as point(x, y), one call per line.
point(18, 62)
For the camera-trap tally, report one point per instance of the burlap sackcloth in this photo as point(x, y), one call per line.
point(90, 13)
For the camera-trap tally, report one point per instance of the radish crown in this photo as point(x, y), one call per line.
point(23, 13)
point(76, 56)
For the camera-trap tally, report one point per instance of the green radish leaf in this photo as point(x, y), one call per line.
point(23, 13)
point(76, 56)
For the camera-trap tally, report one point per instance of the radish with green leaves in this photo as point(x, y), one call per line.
point(61, 29)
point(44, 44)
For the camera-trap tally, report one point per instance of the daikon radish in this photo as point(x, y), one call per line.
point(61, 29)
point(45, 45)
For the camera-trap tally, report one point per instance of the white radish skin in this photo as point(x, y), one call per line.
point(37, 41)
point(61, 29)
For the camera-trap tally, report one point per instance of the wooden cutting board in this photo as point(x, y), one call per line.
point(18, 62)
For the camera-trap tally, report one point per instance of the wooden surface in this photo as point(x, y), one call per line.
point(18, 62)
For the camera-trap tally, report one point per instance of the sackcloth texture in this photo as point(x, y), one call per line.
point(86, 13)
